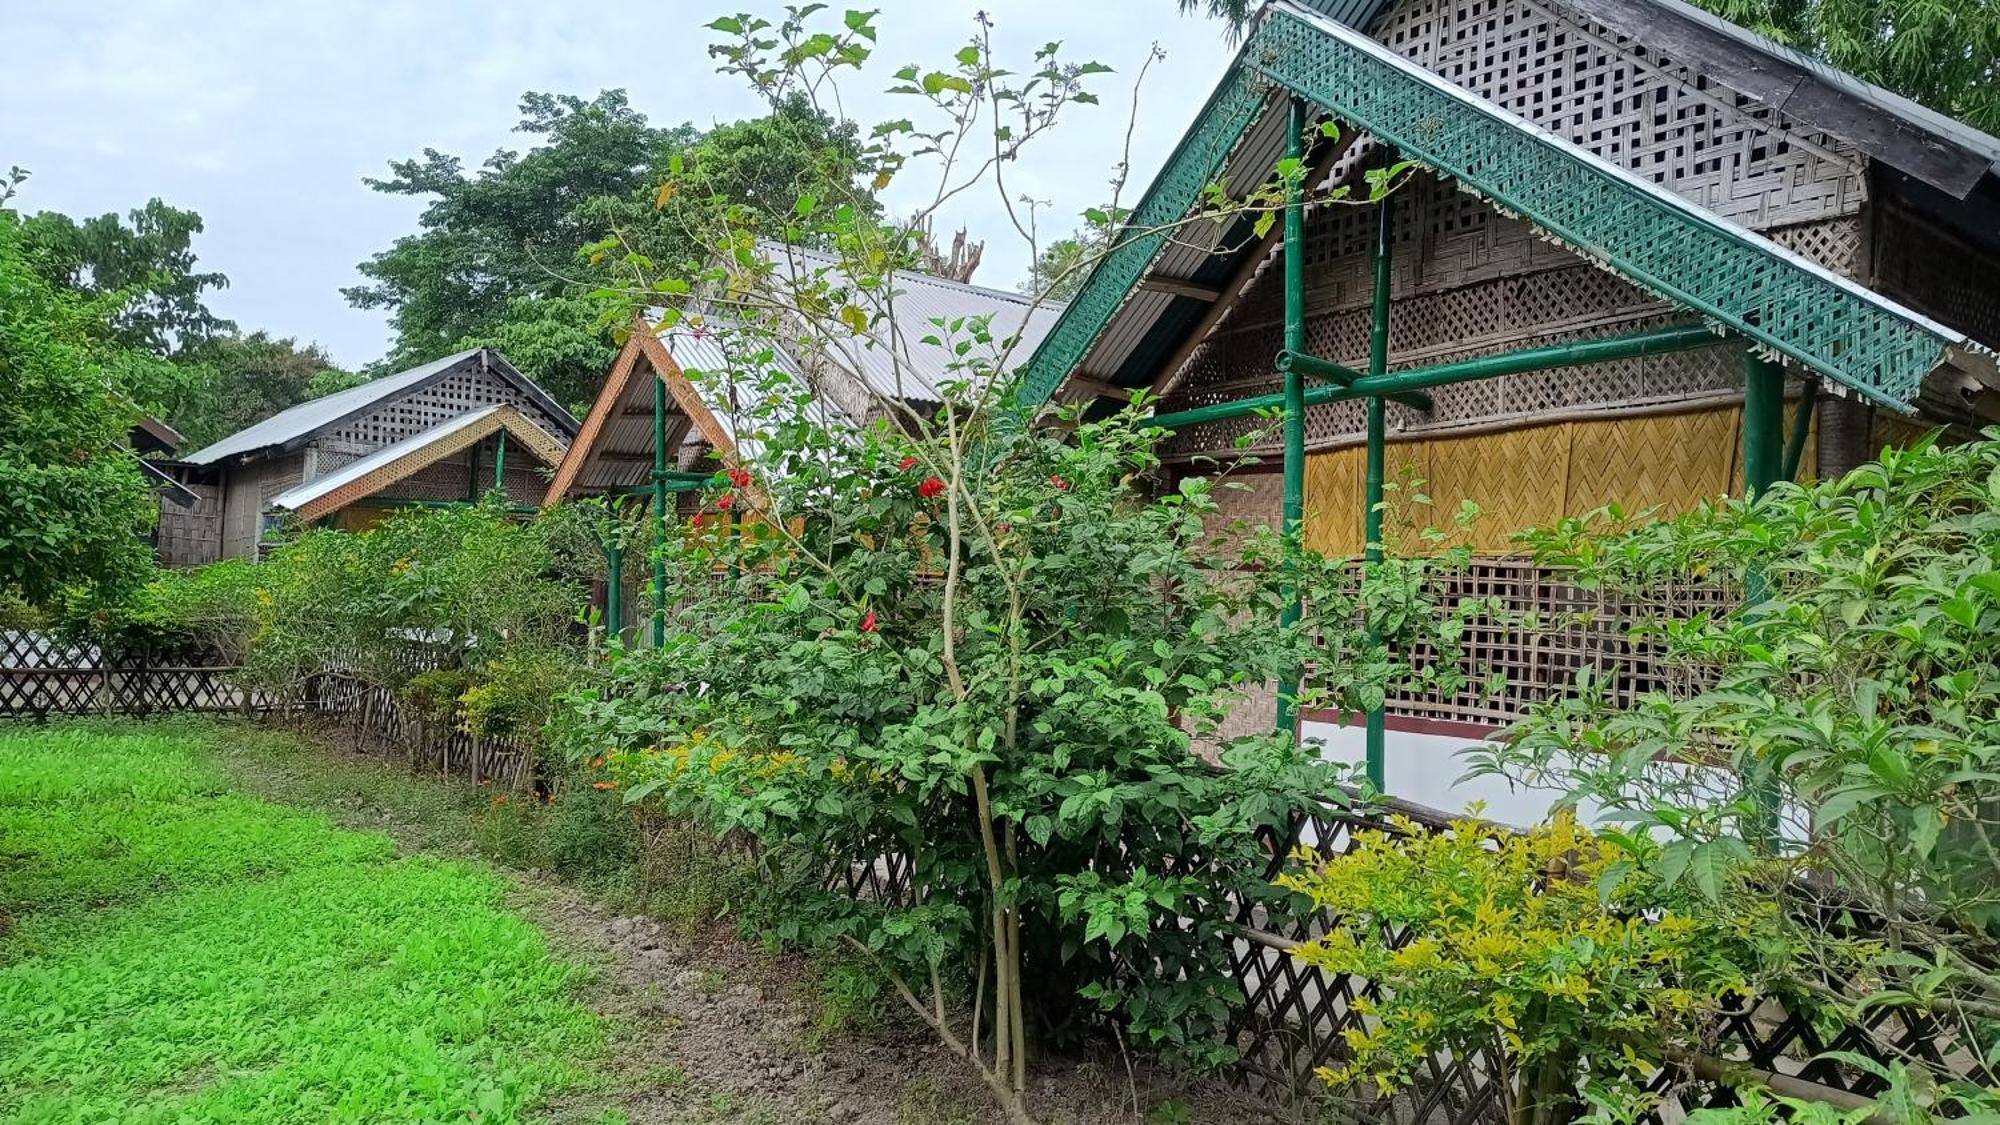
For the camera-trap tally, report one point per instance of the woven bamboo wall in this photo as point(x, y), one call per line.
point(434, 405)
point(1938, 272)
point(1529, 476)
point(191, 536)
point(1467, 281)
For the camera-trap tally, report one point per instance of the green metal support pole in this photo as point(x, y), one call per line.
point(614, 590)
point(500, 462)
point(1763, 452)
point(1763, 424)
point(1653, 341)
point(1378, 366)
point(1295, 397)
point(659, 513)
point(1343, 376)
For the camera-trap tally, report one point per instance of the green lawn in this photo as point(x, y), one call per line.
point(179, 951)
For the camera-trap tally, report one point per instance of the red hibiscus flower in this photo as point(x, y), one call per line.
point(907, 463)
point(868, 622)
point(698, 519)
point(931, 487)
point(727, 502)
point(739, 477)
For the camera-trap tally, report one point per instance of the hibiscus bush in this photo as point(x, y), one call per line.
point(997, 657)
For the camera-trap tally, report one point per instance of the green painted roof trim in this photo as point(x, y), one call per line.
point(1736, 278)
point(1196, 162)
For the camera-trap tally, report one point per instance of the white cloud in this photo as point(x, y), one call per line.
point(265, 117)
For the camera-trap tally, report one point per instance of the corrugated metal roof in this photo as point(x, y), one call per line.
point(297, 423)
point(1129, 331)
point(736, 403)
point(908, 369)
point(298, 497)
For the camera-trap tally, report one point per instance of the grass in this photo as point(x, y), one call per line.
point(180, 951)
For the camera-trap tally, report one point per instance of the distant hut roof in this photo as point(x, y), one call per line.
point(293, 427)
point(907, 369)
point(392, 463)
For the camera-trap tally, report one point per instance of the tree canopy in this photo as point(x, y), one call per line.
point(72, 499)
point(243, 380)
point(150, 261)
point(496, 260)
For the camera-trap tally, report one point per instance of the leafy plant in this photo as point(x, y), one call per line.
point(1557, 957)
point(1839, 749)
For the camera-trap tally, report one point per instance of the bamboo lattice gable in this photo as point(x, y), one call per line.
point(383, 469)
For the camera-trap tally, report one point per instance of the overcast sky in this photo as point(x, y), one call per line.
point(265, 117)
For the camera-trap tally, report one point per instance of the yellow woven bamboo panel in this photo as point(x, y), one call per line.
point(1334, 485)
point(1516, 477)
point(1532, 476)
point(1667, 461)
point(1336, 516)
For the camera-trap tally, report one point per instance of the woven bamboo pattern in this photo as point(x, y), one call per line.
point(1679, 253)
point(1939, 271)
point(42, 676)
point(435, 405)
point(1532, 476)
point(1659, 118)
point(531, 441)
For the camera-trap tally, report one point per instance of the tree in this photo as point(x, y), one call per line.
point(497, 262)
point(72, 500)
point(982, 645)
point(1062, 267)
point(510, 229)
point(1943, 53)
point(245, 379)
point(557, 341)
point(150, 263)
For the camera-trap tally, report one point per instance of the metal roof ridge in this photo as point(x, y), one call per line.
point(1011, 296)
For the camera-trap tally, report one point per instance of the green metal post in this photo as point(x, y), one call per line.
point(1577, 353)
point(1344, 376)
point(1295, 397)
point(659, 513)
point(500, 462)
point(1763, 451)
point(614, 590)
point(1378, 366)
point(1763, 424)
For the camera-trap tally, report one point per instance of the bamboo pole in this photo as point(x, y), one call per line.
point(1577, 353)
point(1295, 400)
point(1378, 366)
point(659, 512)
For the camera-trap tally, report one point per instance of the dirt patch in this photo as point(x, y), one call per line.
point(707, 1027)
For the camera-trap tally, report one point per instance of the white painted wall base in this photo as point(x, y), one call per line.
point(1425, 769)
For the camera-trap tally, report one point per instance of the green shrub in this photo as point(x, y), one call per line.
point(587, 833)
